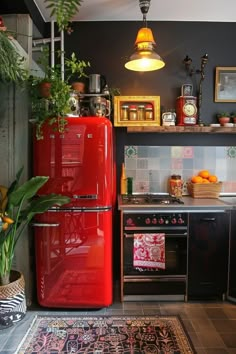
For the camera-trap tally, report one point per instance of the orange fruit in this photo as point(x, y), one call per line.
point(204, 173)
point(196, 179)
point(205, 180)
point(213, 179)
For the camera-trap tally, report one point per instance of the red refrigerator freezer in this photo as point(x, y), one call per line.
point(73, 244)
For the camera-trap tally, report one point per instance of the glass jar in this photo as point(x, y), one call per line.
point(175, 186)
point(148, 112)
point(141, 112)
point(124, 112)
point(133, 112)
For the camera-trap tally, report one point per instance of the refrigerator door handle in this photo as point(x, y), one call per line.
point(41, 224)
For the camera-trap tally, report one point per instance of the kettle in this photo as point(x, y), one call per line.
point(97, 83)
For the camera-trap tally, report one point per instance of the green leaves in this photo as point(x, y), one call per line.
point(63, 10)
point(11, 63)
point(23, 204)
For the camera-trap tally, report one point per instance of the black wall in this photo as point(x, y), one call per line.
point(108, 45)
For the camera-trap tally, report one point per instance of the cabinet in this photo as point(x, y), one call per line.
point(208, 255)
point(231, 294)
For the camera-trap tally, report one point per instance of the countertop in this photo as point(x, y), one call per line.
point(190, 205)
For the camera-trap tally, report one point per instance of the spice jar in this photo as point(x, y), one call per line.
point(175, 186)
point(125, 112)
point(148, 112)
point(141, 112)
point(132, 112)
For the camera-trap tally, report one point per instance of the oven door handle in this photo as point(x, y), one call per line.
point(166, 235)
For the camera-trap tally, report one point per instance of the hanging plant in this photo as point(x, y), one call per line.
point(63, 10)
point(11, 62)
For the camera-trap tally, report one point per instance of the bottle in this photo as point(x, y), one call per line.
point(123, 180)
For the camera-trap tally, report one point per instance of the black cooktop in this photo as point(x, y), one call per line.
point(146, 199)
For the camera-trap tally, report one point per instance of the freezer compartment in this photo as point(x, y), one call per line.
point(74, 258)
point(79, 161)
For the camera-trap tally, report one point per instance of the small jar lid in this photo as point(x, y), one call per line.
point(176, 176)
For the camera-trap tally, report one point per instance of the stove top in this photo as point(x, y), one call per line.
point(147, 199)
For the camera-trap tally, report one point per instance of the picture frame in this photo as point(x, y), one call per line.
point(225, 84)
point(131, 111)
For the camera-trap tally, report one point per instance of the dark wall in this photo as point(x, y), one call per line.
point(108, 45)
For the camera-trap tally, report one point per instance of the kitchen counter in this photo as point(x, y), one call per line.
point(190, 204)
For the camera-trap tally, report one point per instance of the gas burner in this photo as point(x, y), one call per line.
point(147, 199)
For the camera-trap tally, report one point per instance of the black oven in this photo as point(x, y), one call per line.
point(152, 283)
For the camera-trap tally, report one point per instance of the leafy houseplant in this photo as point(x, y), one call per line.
point(63, 10)
point(11, 62)
point(18, 207)
point(76, 69)
point(54, 106)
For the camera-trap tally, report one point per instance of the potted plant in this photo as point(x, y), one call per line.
point(11, 62)
point(223, 117)
point(233, 116)
point(52, 108)
point(76, 70)
point(17, 208)
point(54, 105)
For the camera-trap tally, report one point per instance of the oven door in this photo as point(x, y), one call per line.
point(153, 283)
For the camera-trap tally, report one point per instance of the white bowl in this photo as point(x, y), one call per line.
point(229, 125)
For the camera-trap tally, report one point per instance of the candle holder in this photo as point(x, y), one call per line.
point(191, 71)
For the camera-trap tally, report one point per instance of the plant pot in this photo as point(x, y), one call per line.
point(44, 89)
point(223, 120)
point(78, 86)
point(12, 300)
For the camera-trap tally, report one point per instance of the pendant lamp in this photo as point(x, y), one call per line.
point(144, 57)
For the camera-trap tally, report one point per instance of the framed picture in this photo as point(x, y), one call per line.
point(225, 84)
point(131, 111)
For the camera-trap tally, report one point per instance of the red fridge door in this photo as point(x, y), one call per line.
point(78, 161)
point(74, 258)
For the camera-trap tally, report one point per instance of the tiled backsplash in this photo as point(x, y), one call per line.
point(151, 166)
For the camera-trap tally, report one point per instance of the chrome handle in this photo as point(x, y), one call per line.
point(39, 224)
point(166, 235)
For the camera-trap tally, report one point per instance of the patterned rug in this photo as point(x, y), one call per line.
point(117, 334)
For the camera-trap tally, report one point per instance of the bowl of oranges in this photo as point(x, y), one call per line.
point(204, 185)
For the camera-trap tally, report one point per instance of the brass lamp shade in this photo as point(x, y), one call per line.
point(144, 57)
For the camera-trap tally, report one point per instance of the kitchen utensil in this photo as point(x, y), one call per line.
point(97, 83)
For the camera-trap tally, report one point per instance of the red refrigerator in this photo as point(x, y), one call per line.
point(74, 243)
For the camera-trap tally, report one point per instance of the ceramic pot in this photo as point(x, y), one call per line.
point(223, 120)
point(78, 86)
point(12, 300)
point(44, 89)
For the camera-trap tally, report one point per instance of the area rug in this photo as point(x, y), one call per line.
point(116, 334)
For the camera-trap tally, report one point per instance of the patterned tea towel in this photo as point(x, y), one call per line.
point(149, 251)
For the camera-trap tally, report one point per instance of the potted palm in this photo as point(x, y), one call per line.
point(17, 208)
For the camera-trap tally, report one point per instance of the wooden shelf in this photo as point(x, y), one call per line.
point(184, 129)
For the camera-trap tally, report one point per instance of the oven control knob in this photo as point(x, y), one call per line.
point(154, 221)
point(129, 222)
point(173, 221)
point(147, 221)
point(167, 221)
point(180, 221)
point(161, 221)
